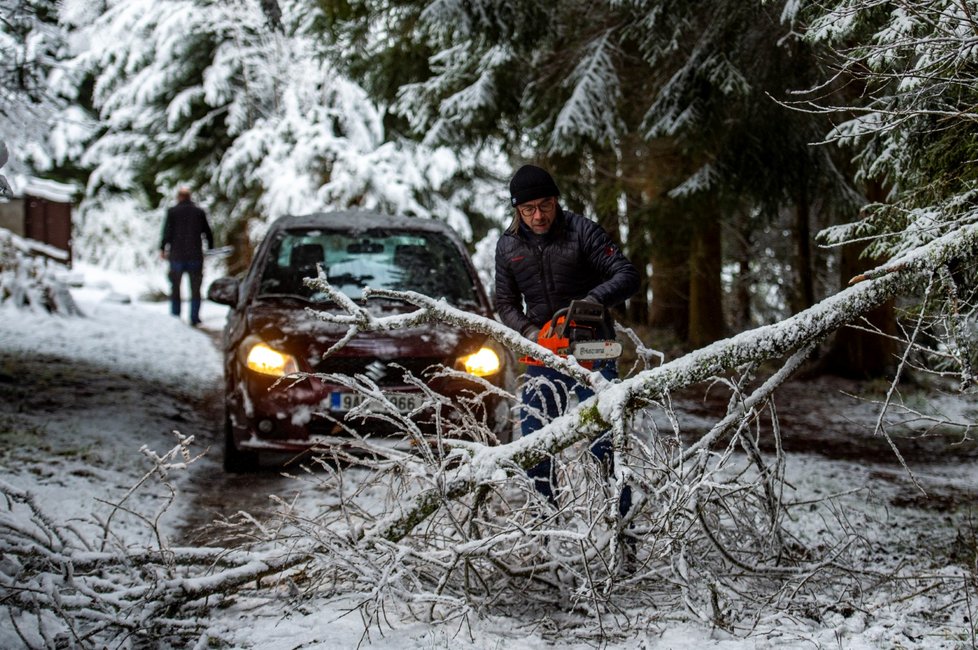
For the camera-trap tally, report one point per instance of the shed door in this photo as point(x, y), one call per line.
point(48, 222)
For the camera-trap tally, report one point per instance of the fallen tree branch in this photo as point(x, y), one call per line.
point(591, 417)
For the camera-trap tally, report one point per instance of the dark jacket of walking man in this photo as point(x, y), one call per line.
point(184, 232)
point(545, 259)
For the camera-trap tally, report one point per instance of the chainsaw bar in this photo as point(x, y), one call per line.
point(595, 350)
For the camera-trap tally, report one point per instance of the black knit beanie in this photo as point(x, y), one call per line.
point(531, 182)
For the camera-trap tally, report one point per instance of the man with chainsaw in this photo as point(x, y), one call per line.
point(548, 258)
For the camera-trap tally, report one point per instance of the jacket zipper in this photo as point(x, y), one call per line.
point(544, 279)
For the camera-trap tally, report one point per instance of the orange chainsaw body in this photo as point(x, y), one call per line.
point(579, 330)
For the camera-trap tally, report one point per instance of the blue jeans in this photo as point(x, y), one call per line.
point(538, 396)
point(196, 272)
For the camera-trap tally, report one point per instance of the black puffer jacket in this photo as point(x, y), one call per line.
point(576, 259)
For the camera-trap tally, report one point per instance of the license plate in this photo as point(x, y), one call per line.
point(404, 402)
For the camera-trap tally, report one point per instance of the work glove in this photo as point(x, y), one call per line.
point(532, 332)
point(590, 298)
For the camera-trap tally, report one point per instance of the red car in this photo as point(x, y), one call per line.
point(271, 335)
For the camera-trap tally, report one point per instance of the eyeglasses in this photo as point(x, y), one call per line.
point(545, 206)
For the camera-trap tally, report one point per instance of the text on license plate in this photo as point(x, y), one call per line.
point(402, 401)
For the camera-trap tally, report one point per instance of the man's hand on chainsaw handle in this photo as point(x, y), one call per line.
point(592, 299)
point(532, 332)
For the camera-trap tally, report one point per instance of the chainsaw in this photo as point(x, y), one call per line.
point(580, 331)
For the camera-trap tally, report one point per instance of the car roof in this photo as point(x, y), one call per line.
point(356, 220)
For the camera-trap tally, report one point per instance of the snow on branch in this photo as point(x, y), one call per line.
point(461, 527)
point(64, 585)
point(595, 88)
point(458, 528)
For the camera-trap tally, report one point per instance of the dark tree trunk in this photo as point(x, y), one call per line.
point(803, 295)
point(856, 352)
point(741, 311)
point(237, 237)
point(606, 205)
point(669, 256)
point(706, 323)
point(639, 252)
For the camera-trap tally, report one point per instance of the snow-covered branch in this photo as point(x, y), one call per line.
point(77, 584)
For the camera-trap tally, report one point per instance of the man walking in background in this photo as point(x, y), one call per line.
point(545, 259)
point(184, 231)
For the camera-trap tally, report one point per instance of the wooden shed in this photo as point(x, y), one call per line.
point(40, 210)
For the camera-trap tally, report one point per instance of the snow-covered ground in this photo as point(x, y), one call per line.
point(79, 461)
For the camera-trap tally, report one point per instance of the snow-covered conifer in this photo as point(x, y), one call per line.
point(31, 44)
point(255, 118)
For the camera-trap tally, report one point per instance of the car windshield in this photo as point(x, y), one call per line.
point(426, 262)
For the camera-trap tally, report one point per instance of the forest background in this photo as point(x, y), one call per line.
point(716, 140)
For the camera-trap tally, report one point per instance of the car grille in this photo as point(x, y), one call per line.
point(383, 372)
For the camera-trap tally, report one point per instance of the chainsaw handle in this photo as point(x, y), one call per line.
point(552, 326)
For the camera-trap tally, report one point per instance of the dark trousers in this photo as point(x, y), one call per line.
point(546, 392)
point(196, 272)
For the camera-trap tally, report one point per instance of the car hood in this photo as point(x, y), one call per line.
point(301, 333)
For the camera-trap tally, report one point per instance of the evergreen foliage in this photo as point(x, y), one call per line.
point(912, 122)
point(31, 42)
point(910, 118)
point(662, 119)
point(659, 109)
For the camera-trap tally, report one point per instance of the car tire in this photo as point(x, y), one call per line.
point(237, 461)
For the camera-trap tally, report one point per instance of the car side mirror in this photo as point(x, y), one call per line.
point(224, 291)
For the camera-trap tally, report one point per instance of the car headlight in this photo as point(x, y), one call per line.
point(483, 363)
point(266, 360)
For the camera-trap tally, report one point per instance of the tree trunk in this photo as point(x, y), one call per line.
point(607, 192)
point(642, 171)
point(669, 256)
point(742, 314)
point(803, 295)
point(639, 253)
point(608, 187)
point(857, 353)
point(242, 251)
point(706, 323)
